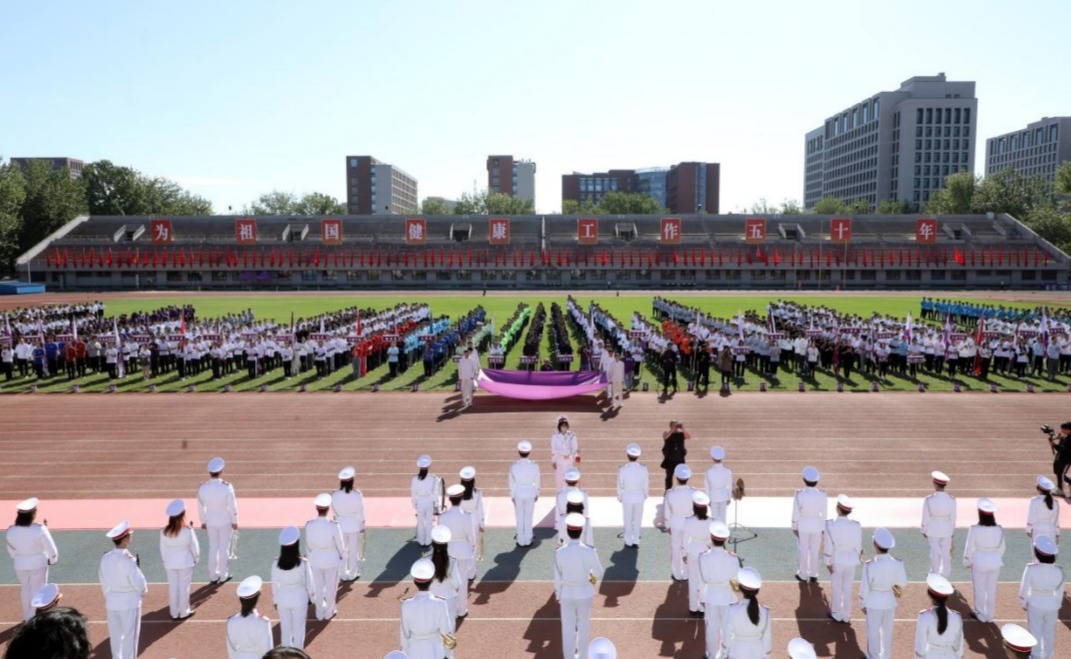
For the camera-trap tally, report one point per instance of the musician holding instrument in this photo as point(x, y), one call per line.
point(472, 503)
point(348, 506)
point(983, 553)
point(880, 586)
point(427, 630)
point(718, 568)
point(576, 571)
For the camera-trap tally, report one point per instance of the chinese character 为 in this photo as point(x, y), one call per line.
point(756, 230)
point(498, 231)
point(926, 230)
point(416, 231)
point(331, 231)
point(670, 230)
point(163, 232)
point(245, 231)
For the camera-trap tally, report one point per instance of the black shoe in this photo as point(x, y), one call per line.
point(800, 579)
point(814, 579)
point(701, 614)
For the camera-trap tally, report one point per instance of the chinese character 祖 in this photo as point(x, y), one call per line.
point(245, 231)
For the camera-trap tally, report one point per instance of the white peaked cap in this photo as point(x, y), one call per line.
point(455, 490)
point(27, 505)
point(700, 498)
point(524, 446)
point(347, 474)
point(467, 473)
point(811, 475)
point(719, 530)
point(602, 648)
point(250, 586)
point(717, 453)
point(119, 530)
point(574, 496)
point(423, 462)
point(845, 502)
point(987, 505)
point(176, 507)
point(422, 570)
point(289, 536)
point(938, 585)
point(801, 649)
point(574, 521)
point(215, 465)
point(939, 477)
point(572, 474)
point(633, 450)
point(441, 535)
point(45, 596)
point(883, 538)
point(322, 500)
point(396, 654)
point(749, 578)
point(1017, 638)
point(682, 472)
point(1045, 545)
point(1046, 484)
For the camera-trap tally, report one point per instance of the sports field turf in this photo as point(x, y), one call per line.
point(499, 308)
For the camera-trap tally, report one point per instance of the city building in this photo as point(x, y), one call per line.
point(57, 164)
point(898, 145)
point(515, 178)
point(693, 187)
point(376, 188)
point(687, 187)
point(1034, 151)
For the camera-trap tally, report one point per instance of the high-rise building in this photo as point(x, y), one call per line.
point(1034, 151)
point(693, 187)
point(57, 164)
point(376, 188)
point(687, 187)
point(899, 145)
point(515, 178)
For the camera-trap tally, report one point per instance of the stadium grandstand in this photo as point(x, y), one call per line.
point(453, 252)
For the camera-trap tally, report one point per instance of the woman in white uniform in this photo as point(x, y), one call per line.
point(1043, 516)
point(472, 503)
point(180, 551)
point(984, 555)
point(248, 632)
point(291, 588)
point(749, 622)
point(564, 452)
point(426, 491)
point(348, 506)
point(939, 631)
point(31, 547)
point(574, 503)
point(447, 580)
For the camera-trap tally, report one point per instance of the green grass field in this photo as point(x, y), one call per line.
point(499, 308)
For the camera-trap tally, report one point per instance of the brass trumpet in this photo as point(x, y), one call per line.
point(401, 598)
point(592, 579)
point(735, 585)
point(449, 640)
point(897, 591)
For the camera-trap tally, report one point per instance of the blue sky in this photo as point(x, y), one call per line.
point(238, 97)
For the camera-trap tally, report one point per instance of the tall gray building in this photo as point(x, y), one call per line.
point(1036, 150)
point(515, 178)
point(894, 145)
point(376, 188)
point(73, 164)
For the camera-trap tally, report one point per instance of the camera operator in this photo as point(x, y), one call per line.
point(1061, 448)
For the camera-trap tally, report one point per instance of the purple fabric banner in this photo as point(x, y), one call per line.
point(540, 385)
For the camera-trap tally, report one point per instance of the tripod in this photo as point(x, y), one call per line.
point(738, 532)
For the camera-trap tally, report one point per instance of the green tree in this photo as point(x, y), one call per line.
point(492, 203)
point(1062, 184)
point(113, 190)
point(957, 197)
point(165, 197)
point(434, 206)
point(52, 199)
point(275, 202)
point(573, 207)
point(830, 206)
point(893, 207)
point(12, 195)
point(1008, 192)
point(1052, 225)
point(629, 203)
point(790, 207)
point(318, 203)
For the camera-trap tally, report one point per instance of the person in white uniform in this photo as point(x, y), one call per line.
point(718, 568)
point(467, 368)
point(472, 503)
point(633, 486)
point(678, 506)
point(524, 479)
point(749, 625)
point(695, 539)
point(124, 585)
point(983, 553)
point(462, 543)
point(880, 587)
point(426, 492)
point(425, 620)
point(219, 516)
point(1018, 643)
point(842, 545)
point(447, 582)
point(1043, 515)
point(809, 509)
point(326, 547)
point(1041, 593)
point(939, 630)
point(572, 480)
point(564, 452)
point(32, 549)
point(616, 374)
point(799, 648)
point(576, 571)
point(179, 551)
point(248, 632)
point(348, 506)
point(719, 484)
point(602, 648)
point(291, 588)
point(939, 525)
point(47, 597)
